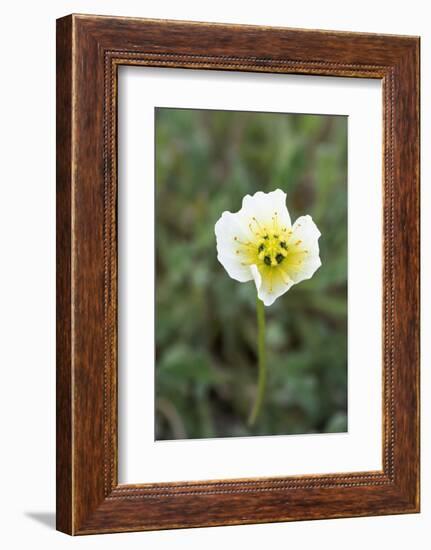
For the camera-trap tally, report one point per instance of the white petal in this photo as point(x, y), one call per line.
point(229, 226)
point(306, 231)
point(263, 206)
point(309, 267)
point(271, 283)
point(226, 229)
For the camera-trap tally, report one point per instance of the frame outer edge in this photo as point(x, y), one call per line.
point(407, 273)
point(81, 505)
point(64, 367)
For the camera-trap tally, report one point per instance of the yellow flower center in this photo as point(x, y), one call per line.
point(272, 247)
point(272, 244)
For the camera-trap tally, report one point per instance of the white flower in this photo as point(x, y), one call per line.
point(260, 243)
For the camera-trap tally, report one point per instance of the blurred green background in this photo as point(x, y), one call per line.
point(206, 363)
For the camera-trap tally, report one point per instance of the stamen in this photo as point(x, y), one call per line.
point(256, 234)
point(257, 223)
point(276, 222)
point(242, 243)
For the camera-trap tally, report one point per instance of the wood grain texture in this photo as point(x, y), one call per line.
point(90, 49)
point(64, 497)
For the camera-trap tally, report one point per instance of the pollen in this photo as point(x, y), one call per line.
point(272, 249)
point(279, 258)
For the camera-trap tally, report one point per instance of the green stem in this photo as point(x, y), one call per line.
point(261, 352)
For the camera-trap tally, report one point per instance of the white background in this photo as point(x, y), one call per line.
point(27, 208)
point(141, 459)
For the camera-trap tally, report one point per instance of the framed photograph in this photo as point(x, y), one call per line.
point(237, 274)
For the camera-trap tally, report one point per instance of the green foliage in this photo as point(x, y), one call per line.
point(206, 333)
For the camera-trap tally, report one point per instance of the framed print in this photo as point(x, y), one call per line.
point(237, 274)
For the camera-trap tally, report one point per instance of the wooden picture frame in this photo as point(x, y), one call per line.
point(89, 51)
